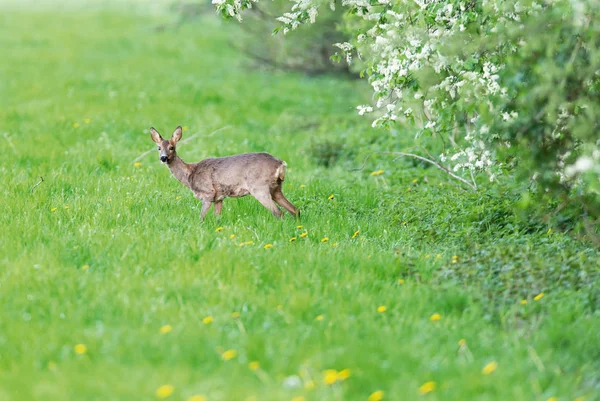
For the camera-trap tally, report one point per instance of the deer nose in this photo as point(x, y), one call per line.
point(163, 159)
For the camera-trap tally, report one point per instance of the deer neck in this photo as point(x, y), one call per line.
point(180, 170)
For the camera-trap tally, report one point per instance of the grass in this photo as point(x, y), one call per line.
point(112, 255)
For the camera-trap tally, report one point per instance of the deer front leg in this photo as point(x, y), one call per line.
point(205, 206)
point(218, 207)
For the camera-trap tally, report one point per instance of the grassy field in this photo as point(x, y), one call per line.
point(405, 286)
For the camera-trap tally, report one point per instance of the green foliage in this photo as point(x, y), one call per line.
point(77, 112)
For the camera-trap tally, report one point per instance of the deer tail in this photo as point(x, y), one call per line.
point(281, 170)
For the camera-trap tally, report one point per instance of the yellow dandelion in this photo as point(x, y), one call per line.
point(75, 125)
point(441, 184)
point(268, 246)
point(489, 368)
point(538, 296)
point(320, 317)
point(164, 391)
point(549, 231)
point(427, 387)
point(343, 374)
point(378, 172)
point(355, 233)
point(330, 376)
point(241, 244)
point(236, 315)
point(207, 320)
point(415, 181)
point(324, 239)
point(85, 267)
point(404, 223)
point(309, 385)
point(254, 365)
point(80, 349)
point(54, 209)
point(302, 186)
point(400, 281)
point(137, 164)
point(552, 399)
point(299, 227)
point(229, 354)
point(303, 235)
point(408, 189)
point(334, 244)
point(381, 309)
point(219, 229)
point(66, 206)
point(166, 329)
point(197, 397)
point(87, 121)
point(376, 396)
point(523, 302)
point(292, 239)
point(435, 317)
point(248, 243)
point(438, 256)
point(299, 398)
point(427, 256)
point(232, 236)
point(462, 342)
point(177, 197)
point(108, 200)
point(330, 197)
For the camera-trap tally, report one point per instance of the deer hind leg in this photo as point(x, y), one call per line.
point(264, 197)
point(282, 201)
point(218, 207)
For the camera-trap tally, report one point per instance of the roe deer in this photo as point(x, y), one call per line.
point(211, 180)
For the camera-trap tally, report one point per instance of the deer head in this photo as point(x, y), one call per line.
point(166, 149)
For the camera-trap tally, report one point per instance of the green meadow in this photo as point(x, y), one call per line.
point(403, 285)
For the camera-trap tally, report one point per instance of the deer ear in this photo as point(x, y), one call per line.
point(177, 134)
point(156, 136)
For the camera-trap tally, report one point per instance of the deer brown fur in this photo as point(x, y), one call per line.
point(212, 180)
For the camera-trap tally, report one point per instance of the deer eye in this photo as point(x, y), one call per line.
point(159, 148)
point(171, 148)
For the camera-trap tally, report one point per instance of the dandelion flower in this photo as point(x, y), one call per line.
point(375, 173)
point(87, 121)
point(343, 374)
point(376, 396)
point(235, 315)
point(166, 329)
point(427, 387)
point(309, 385)
point(66, 206)
point(538, 296)
point(324, 239)
point(355, 234)
point(303, 235)
point(177, 197)
point(523, 302)
point(53, 210)
point(299, 227)
point(85, 267)
point(229, 354)
point(137, 164)
point(330, 376)
point(549, 231)
point(320, 317)
point(415, 181)
point(552, 399)
point(75, 125)
point(197, 397)
point(334, 244)
point(302, 186)
point(80, 349)
point(400, 281)
point(408, 189)
point(330, 197)
point(232, 236)
point(219, 229)
point(254, 365)
point(299, 398)
point(248, 243)
point(462, 342)
point(381, 309)
point(164, 391)
point(489, 368)
point(292, 239)
point(268, 246)
point(207, 320)
point(427, 256)
point(438, 256)
point(435, 317)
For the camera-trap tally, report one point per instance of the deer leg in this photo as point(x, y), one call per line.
point(218, 207)
point(205, 206)
point(265, 199)
point(286, 204)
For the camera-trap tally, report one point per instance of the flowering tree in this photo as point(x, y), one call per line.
point(487, 85)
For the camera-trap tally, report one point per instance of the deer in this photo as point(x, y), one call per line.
point(214, 179)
